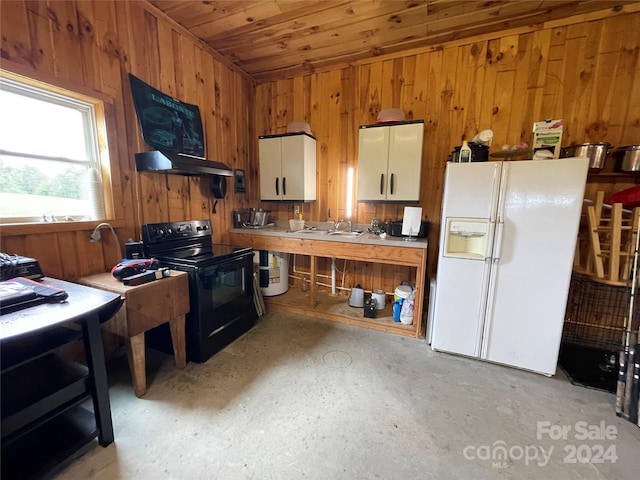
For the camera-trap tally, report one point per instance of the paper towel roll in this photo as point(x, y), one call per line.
point(411, 221)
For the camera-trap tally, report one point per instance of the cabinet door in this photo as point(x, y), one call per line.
point(373, 152)
point(293, 165)
point(405, 160)
point(270, 151)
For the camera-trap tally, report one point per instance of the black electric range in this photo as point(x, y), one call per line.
point(220, 285)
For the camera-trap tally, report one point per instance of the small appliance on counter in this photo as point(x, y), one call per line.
point(394, 228)
point(252, 218)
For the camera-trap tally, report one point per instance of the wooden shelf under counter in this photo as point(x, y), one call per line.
point(315, 303)
point(336, 308)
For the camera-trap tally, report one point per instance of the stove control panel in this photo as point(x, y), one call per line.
point(154, 233)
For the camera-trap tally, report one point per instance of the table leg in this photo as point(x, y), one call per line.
point(178, 341)
point(137, 363)
point(98, 378)
point(312, 273)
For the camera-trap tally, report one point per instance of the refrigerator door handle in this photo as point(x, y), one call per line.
point(491, 241)
point(487, 324)
point(497, 249)
point(482, 311)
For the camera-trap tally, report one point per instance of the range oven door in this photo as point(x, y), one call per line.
point(222, 306)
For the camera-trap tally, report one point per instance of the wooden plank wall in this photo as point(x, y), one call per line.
point(584, 70)
point(92, 46)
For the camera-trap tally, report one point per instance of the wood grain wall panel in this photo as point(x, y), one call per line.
point(90, 50)
point(17, 32)
point(325, 183)
point(94, 45)
point(64, 34)
point(39, 53)
point(586, 72)
point(108, 46)
point(572, 71)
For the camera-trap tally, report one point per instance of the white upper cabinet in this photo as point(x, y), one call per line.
point(288, 167)
point(389, 162)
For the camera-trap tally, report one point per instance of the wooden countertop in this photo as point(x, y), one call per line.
point(364, 248)
point(364, 239)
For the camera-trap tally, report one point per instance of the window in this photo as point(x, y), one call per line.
point(50, 169)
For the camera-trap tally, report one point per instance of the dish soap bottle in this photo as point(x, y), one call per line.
point(465, 152)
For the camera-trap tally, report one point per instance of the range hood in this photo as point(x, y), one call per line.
point(179, 164)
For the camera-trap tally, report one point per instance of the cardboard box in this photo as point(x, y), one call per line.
point(547, 135)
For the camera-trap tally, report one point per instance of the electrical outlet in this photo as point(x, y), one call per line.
point(296, 210)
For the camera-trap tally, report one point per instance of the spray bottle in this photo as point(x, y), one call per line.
point(465, 152)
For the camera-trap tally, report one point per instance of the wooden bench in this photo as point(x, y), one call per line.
point(146, 306)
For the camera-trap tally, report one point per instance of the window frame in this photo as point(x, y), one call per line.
point(104, 113)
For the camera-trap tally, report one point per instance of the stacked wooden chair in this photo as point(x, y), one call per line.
point(612, 235)
point(599, 295)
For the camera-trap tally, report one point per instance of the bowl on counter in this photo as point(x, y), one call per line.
point(295, 225)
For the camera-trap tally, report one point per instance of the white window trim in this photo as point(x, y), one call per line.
point(94, 102)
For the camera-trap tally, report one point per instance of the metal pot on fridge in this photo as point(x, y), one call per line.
point(627, 158)
point(595, 152)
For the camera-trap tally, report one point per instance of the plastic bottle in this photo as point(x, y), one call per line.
point(465, 152)
point(406, 314)
point(397, 308)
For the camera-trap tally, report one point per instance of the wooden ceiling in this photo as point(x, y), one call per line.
point(271, 39)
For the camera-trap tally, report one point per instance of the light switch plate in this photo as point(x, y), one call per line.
point(239, 185)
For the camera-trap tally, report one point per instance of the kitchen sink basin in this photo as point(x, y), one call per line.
point(344, 233)
point(310, 230)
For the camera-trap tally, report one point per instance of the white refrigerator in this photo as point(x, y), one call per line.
point(507, 242)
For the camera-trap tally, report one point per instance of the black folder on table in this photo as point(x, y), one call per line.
point(18, 293)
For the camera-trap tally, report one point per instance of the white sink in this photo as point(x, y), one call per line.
point(311, 230)
point(344, 233)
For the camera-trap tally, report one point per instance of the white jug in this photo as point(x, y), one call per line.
point(380, 297)
point(406, 313)
point(357, 297)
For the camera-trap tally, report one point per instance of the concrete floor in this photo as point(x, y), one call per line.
point(300, 398)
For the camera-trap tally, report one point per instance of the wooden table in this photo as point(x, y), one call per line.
point(43, 419)
point(146, 306)
point(390, 252)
